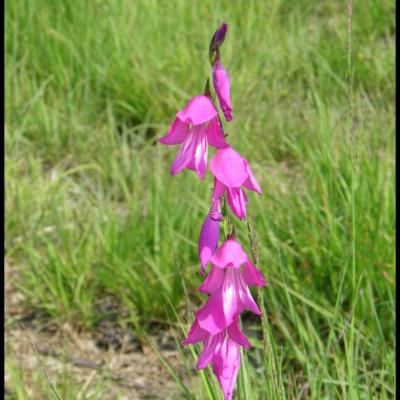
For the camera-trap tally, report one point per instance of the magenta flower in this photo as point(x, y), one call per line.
point(217, 322)
point(195, 127)
point(231, 298)
point(222, 89)
point(232, 172)
point(222, 351)
point(228, 286)
point(209, 235)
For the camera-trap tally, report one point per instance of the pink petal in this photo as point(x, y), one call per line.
point(237, 296)
point(191, 165)
point(215, 211)
point(198, 110)
point(176, 133)
point(208, 240)
point(226, 365)
point(215, 134)
point(232, 304)
point(211, 316)
point(200, 155)
point(222, 88)
point(230, 254)
point(223, 306)
point(213, 281)
point(228, 166)
point(251, 183)
point(219, 189)
point(252, 275)
point(211, 346)
point(185, 154)
point(196, 334)
point(237, 335)
point(198, 161)
point(249, 303)
point(237, 200)
point(193, 152)
point(246, 299)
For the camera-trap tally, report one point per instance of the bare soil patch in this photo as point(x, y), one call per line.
point(108, 363)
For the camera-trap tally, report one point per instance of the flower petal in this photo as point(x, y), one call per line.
point(215, 134)
point(237, 200)
point(219, 190)
point(198, 110)
point(246, 298)
point(196, 334)
point(185, 154)
point(215, 211)
point(200, 155)
point(228, 166)
point(211, 346)
point(176, 133)
point(208, 240)
point(198, 162)
point(222, 88)
point(251, 183)
point(211, 316)
point(237, 335)
point(232, 304)
point(213, 281)
point(252, 275)
point(226, 363)
point(230, 254)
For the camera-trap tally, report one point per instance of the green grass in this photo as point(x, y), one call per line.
point(91, 209)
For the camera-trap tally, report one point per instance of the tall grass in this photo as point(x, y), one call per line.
point(91, 210)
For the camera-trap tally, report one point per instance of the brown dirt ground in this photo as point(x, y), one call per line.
point(125, 372)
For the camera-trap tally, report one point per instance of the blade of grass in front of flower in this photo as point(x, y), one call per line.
point(269, 348)
point(244, 386)
point(207, 378)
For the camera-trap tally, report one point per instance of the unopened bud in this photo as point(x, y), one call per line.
point(216, 41)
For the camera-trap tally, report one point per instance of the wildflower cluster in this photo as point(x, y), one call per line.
point(197, 126)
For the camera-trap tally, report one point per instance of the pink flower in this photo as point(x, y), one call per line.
point(231, 171)
point(228, 286)
point(195, 127)
point(222, 88)
point(222, 351)
point(209, 235)
point(230, 297)
point(217, 322)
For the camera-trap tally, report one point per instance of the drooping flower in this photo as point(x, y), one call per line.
point(231, 298)
point(222, 89)
point(222, 351)
point(232, 173)
point(228, 286)
point(195, 127)
point(209, 235)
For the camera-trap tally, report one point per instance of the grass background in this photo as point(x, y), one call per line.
point(91, 210)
